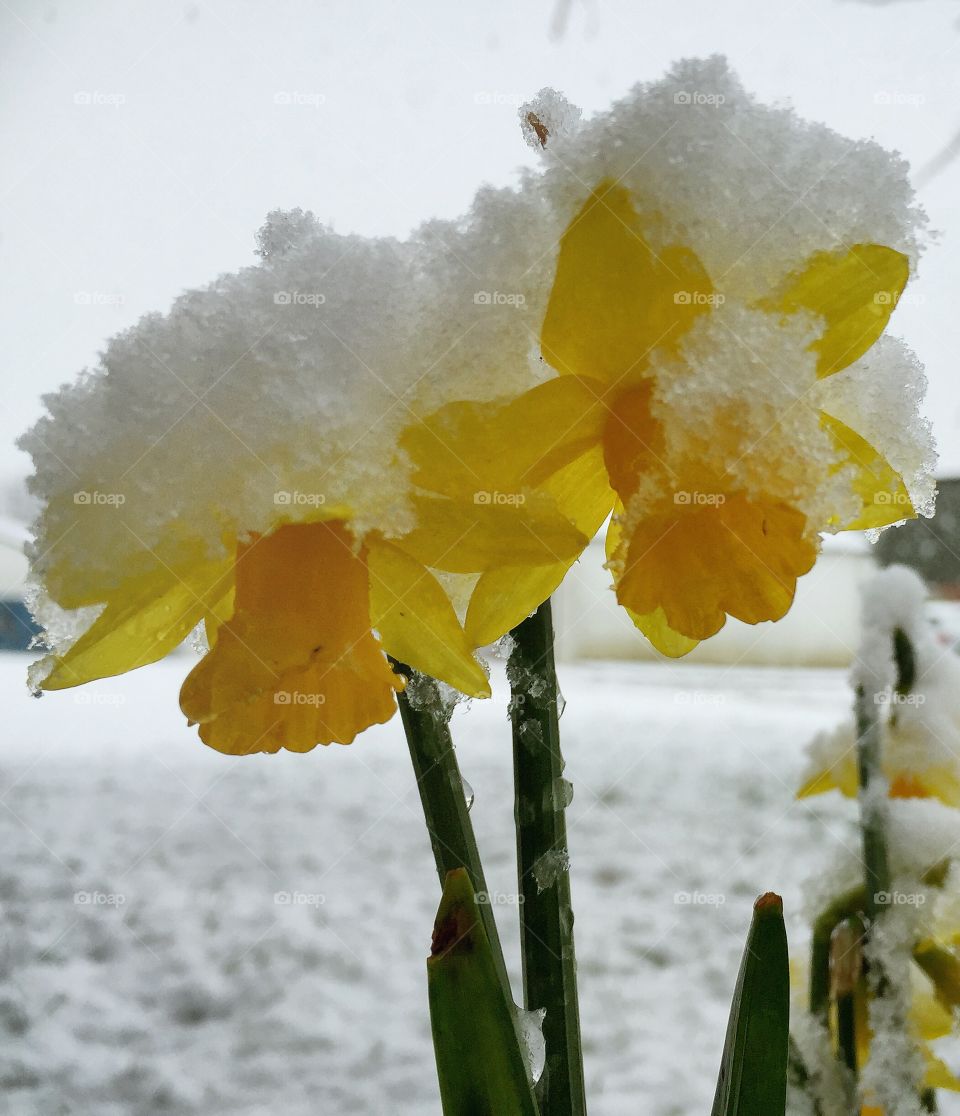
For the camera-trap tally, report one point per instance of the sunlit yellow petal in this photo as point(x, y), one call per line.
point(503, 596)
point(699, 563)
point(416, 621)
point(297, 664)
point(855, 291)
point(883, 495)
point(485, 533)
point(143, 621)
point(466, 449)
point(614, 298)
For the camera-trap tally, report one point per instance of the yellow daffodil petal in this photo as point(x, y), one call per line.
point(145, 620)
point(942, 966)
point(937, 1074)
point(883, 495)
point(930, 1018)
point(842, 777)
point(503, 596)
point(932, 782)
point(939, 781)
point(297, 664)
point(699, 563)
point(223, 611)
point(633, 442)
point(465, 450)
point(667, 641)
point(614, 298)
point(417, 622)
point(654, 624)
point(484, 534)
point(855, 291)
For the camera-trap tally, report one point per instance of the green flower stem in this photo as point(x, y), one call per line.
point(928, 1101)
point(445, 807)
point(546, 914)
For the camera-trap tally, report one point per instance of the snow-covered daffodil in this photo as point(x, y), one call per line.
point(646, 419)
point(236, 464)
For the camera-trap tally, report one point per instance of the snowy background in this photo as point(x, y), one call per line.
point(147, 966)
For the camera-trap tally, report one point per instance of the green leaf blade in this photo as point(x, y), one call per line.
point(753, 1069)
point(480, 1062)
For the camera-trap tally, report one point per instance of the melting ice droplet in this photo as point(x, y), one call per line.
point(548, 867)
point(467, 792)
point(534, 1045)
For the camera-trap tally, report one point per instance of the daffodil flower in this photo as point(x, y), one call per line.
point(236, 463)
point(907, 776)
point(293, 659)
point(299, 619)
point(691, 540)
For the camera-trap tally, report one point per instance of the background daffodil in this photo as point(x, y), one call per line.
point(921, 753)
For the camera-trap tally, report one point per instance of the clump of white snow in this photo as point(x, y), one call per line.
point(549, 119)
point(891, 600)
point(893, 1074)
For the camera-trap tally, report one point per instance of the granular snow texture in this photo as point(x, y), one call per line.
point(189, 933)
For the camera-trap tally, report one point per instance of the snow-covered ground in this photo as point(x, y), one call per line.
point(149, 963)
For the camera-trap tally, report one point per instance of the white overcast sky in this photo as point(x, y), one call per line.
point(109, 208)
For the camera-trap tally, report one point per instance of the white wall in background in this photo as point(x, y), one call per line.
point(821, 629)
